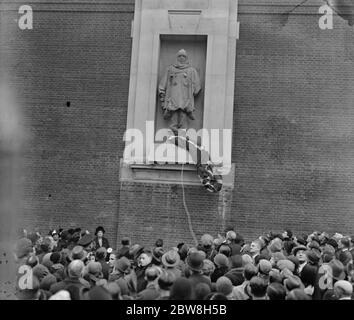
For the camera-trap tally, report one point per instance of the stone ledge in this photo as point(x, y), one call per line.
point(167, 174)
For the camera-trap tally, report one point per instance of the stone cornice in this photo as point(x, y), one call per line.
point(244, 6)
point(71, 6)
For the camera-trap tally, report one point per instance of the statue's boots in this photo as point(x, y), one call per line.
point(167, 114)
point(190, 115)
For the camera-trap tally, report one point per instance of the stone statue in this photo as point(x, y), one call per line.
point(177, 89)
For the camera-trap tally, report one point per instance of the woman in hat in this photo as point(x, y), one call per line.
point(100, 240)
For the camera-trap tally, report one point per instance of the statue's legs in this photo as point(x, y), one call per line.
point(177, 118)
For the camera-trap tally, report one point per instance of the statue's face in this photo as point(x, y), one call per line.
point(181, 58)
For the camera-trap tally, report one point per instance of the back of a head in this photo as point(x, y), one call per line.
point(297, 294)
point(183, 251)
point(181, 290)
point(258, 287)
point(264, 267)
point(201, 291)
point(55, 257)
point(151, 273)
point(125, 241)
point(94, 268)
point(217, 296)
point(276, 291)
point(101, 253)
point(40, 271)
point(288, 246)
point(32, 261)
point(225, 250)
point(159, 243)
point(166, 280)
point(32, 289)
point(75, 269)
point(345, 257)
point(293, 282)
point(250, 271)
point(345, 242)
point(231, 235)
point(275, 276)
point(246, 258)
point(239, 239)
point(113, 288)
point(224, 285)
point(236, 261)
point(98, 293)
point(206, 240)
point(47, 281)
point(23, 248)
point(288, 233)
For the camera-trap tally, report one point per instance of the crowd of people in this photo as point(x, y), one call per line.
point(78, 265)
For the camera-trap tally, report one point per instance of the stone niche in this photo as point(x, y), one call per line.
point(207, 30)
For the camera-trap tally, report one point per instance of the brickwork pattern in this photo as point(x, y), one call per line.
point(292, 139)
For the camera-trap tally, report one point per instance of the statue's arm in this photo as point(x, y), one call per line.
point(196, 82)
point(163, 86)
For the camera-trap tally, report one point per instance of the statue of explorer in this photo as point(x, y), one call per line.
point(177, 89)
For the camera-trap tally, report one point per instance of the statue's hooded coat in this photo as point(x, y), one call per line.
point(180, 84)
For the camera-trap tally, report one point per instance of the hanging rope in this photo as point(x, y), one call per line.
point(187, 212)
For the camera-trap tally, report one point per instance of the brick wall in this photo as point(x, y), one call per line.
point(78, 55)
point(292, 140)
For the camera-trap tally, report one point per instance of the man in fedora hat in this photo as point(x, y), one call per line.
point(170, 261)
point(207, 245)
point(222, 266)
point(124, 276)
point(100, 240)
point(74, 278)
point(157, 254)
point(77, 253)
point(195, 263)
point(87, 242)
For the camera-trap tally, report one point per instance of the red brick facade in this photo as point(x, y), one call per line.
point(292, 139)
